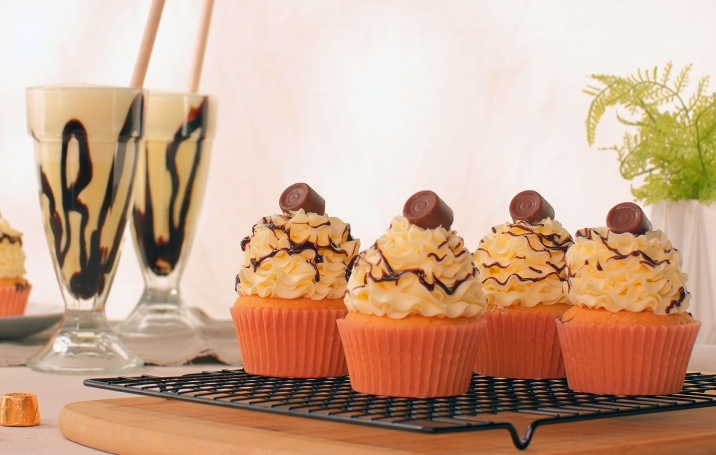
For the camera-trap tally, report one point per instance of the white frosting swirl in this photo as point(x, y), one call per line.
point(523, 263)
point(626, 272)
point(12, 257)
point(297, 255)
point(411, 270)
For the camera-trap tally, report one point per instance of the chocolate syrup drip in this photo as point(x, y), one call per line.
point(297, 248)
point(494, 264)
point(11, 239)
point(554, 239)
point(392, 275)
point(523, 279)
point(95, 261)
point(162, 255)
point(556, 268)
point(682, 295)
point(646, 260)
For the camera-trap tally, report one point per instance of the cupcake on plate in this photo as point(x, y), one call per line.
point(14, 288)
point(629, 332)
point(414, 304)
point(291, 287)
point(522, 270)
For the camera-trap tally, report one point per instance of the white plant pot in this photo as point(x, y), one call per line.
point(691, 227)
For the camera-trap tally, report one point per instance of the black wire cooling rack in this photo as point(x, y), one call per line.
point(545, 401)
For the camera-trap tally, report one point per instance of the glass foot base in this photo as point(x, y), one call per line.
point(83, 351)
point(157, 319)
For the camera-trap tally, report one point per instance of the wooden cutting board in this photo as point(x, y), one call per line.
point(150, 426)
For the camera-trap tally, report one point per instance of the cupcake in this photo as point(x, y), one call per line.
point(14, 288)
point(629, 332)
point(414, 305)
point(522, 270)
point(291, 287)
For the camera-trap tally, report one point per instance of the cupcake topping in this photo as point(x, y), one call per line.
point(530, 206)
point(12, 257)
point(415, 270)
point(426, 210)
point(624, 271)
point(522, 263)
point(9, 234)
point(301, 196)
point(297, 254)
point(628, 217)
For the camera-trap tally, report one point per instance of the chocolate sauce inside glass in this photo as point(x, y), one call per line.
point(163, 254)
point(95, 261)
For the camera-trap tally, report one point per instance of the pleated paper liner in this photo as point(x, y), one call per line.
point(13, 301)
point(626, 359)
point(410, 361)
point(520, 345)
point(300, 343)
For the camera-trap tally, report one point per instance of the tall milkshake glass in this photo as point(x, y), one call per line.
point(86, 139)
point(170, 183)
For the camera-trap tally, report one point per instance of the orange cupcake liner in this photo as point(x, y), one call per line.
point(626, 359)
point(410, 361)
point(301, 343)
point(13, 301)
point(520, 345)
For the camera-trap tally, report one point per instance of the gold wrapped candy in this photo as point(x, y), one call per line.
point(19, 410)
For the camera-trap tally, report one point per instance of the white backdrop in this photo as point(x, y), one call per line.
point(367, 101)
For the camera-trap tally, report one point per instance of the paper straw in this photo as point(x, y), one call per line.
point(201, 45)
point(145, 49)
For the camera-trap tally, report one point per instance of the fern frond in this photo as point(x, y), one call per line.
point(673, 147)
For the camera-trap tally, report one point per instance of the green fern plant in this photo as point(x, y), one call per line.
point(671, 141)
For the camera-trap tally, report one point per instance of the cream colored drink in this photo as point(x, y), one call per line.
point(171, 178)
point(86, 143)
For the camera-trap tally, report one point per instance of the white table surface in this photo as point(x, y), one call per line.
point(53, 393)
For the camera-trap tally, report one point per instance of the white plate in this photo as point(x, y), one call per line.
point(37, 317)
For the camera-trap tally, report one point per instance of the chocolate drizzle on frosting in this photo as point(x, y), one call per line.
point(550, 244)
point(11, 238)
point(646, 260)
point(391, 275)
point(296, 248)
point(94, 260)
point(591, 233)
point(682, 296)
point(160, 254)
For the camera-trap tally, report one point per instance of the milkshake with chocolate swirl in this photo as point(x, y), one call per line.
point(86, 144)
point(169, 190)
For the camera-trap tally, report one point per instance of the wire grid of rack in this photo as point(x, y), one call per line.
point(548, 401)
